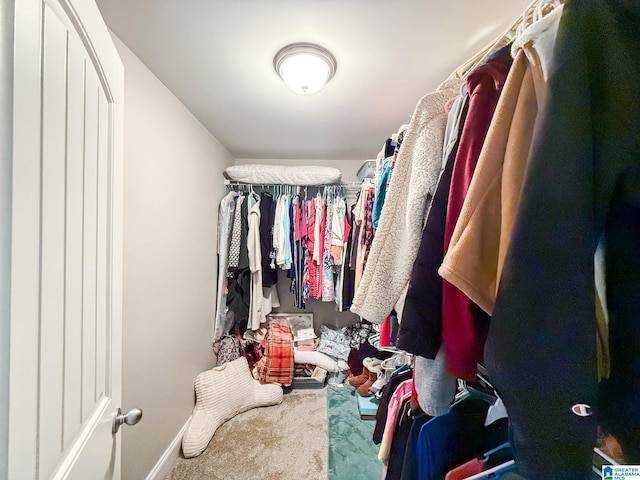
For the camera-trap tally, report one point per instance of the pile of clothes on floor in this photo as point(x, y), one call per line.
point(282, 353)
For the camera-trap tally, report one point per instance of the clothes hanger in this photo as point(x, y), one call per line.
point(401, 369)
point(524, 21)
point(469, 392)
point(533, 15)
point(493, 472)
point(498, 456)
point(544, 8)
point(482, 379)
point(504, 39)
point(399, 359)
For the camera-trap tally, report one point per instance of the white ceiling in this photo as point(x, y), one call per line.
point(216, 56)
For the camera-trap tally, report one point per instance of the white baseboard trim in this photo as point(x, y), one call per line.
point(169, 456)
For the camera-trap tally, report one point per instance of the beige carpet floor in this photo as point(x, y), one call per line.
point(283, 442)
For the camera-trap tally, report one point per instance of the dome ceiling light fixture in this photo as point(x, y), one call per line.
point(305, 67)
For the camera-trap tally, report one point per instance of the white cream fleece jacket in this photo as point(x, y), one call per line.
point(413, 183)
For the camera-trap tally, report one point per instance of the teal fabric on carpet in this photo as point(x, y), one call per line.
point(352, 453)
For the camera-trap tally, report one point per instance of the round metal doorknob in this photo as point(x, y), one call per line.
point(132, 417)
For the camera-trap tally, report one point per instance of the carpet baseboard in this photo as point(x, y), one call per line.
point(164, 464)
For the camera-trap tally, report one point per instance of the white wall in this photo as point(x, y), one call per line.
point(6, 115)
point(172, 187)
point(349, 168)
point(324, 313)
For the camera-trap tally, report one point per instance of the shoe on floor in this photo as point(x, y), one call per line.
point(357, 380)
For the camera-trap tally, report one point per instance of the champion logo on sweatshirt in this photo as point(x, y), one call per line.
point(582, 410)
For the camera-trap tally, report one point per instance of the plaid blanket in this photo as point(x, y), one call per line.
point(276, 366)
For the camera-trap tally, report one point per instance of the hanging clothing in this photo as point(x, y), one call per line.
point(243, 260)
point(236, 237)
point(349, 275)
point(270, 299)
point(383, 407)
point(290, 243)
point(278, 234)
point(435, 387)
point(385, 333)
point(399, 442)
point(369, 231)
point(306, 289)
point(582, 183)
point(402, 393)
point(359, 219)
point(239, 299)
point(328, 291)
point(298, 254)
point(286, 233)
point(479, 243)
point(291, 271)
point(267, 213)
point(381, 192)
point(256, 314)
point(410, 464)
point(317, 249)
point(421, 328)
point(448, 441)
point(413, 183)
point(239, 282)
point(226, 214)
point(464, 324)
point(312, 263)
point(343, 268)
point(355, 233)
point(337, 230)
point(321, 229)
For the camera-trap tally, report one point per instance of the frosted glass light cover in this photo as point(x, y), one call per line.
point(305, 67)
point(305, 73)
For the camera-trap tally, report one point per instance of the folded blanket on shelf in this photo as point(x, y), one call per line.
point(281, 174)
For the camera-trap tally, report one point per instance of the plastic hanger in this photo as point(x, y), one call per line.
point(254, 193)
point(493, 472)
point(498, 456)
point(469, 392)
point(401, 369)
point(397, 360)
point(544, 8)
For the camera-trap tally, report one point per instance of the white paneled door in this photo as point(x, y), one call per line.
point(66, 272)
